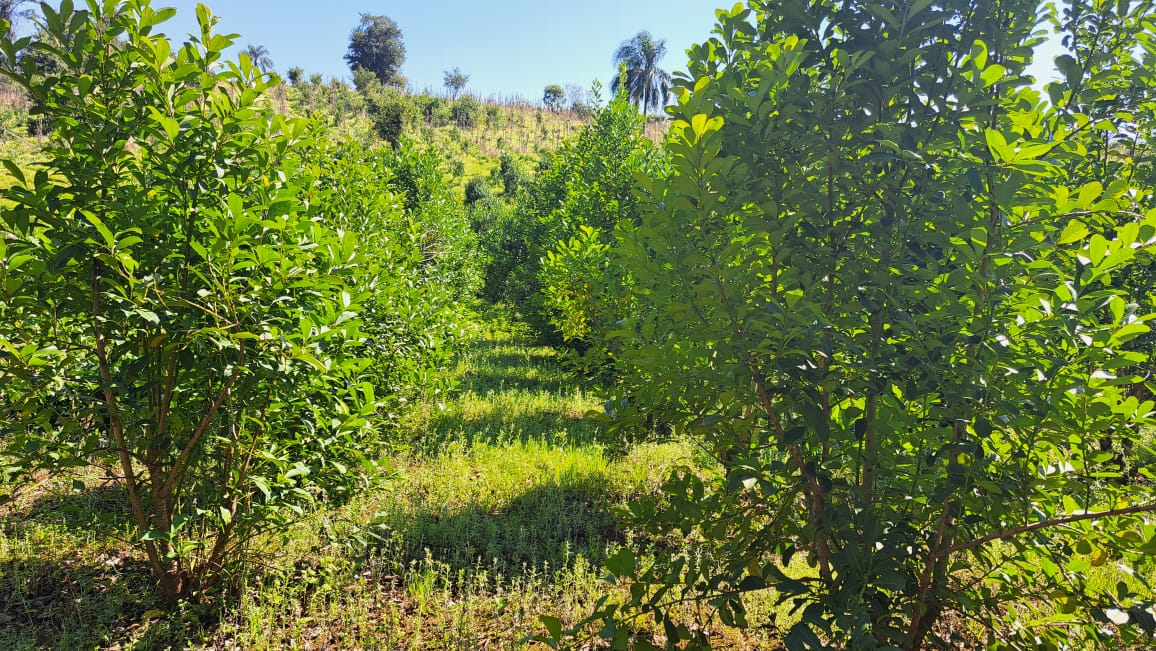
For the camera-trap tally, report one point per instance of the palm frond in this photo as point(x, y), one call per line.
point(647, 84)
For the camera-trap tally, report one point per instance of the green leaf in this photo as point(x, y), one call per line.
point(262, 485)
point(621, 564)
point(298, 470)
point(801, 638)
point(998, 146)
point(993, 74)
point(751, 583)
point(171, 126)
point(794, 434)
point(15, 171)
point(670, 630)
point(149, 315)
point(105, 234)
point(983, 427)
point(1075, 231)
point(1129, 332)
point(1070, 68)
point(553, 626)
point(236, 205)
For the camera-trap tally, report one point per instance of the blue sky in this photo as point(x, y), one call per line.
point(508, 47)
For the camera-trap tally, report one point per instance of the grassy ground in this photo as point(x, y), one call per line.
point(498, 511)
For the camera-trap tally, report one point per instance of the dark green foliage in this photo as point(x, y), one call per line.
point(588, 182)
point(493, 115)
point(510, 174)
point(477, 189)
point(365, 81)
point(376, 45)
point(389, 110)
point(450, 254)
point(466, 111)
point(424, 254)
point(213, 315)
point(296, 76)
point(433, 110)
point(500, 234)
point(159, 329)
point(882, 286)
point(553, 97)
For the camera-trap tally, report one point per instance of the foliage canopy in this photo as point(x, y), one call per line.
point(206, 300)
point(376, 45)
point(883, 285)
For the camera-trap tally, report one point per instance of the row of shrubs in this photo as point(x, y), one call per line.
point(219, 306)
point(900, 302)
point(588, 183)
point(391, 112)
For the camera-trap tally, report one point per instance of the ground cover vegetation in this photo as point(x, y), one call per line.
point(854, 357)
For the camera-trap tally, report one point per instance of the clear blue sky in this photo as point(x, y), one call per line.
point(508, 47)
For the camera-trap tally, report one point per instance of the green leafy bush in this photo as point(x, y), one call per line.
point(881, 286)
point(205, 300)
point(449, 247)
point(433, 110)
point(510, 174)
point(573, 275)
point(498, 226)
point(588, 181)
point(390, 110)
point(421, 263)
point(466, 111)
point(478, 189)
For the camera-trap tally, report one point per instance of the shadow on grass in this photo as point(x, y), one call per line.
point(484, 383)
point(66, 604)
point(539, 532)
point(494, 428)
point(99, 511)
point(60, 590)
point(488, 353)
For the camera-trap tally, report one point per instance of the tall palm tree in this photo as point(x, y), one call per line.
point(647, 84)
point(259, 55)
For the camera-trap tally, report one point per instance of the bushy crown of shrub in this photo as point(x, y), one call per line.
point(882, 287)
point(203, 299)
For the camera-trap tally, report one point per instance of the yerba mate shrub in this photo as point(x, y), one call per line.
point(890, 293)
point(183, 297)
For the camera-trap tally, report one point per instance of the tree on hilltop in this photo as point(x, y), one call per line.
point(455, 81)
point(647, 85)
point(375, 44)
point(553, 97)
